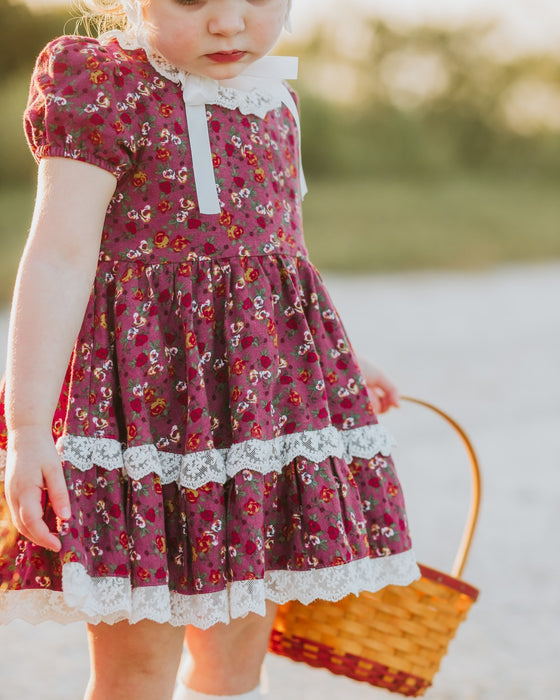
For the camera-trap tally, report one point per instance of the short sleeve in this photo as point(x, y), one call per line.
point(75, 109)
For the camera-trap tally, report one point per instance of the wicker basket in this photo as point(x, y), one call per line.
point(394, 638)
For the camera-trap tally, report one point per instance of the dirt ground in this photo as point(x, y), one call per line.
point(486, 347)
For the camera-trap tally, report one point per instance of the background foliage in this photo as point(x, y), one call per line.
point(423, 149)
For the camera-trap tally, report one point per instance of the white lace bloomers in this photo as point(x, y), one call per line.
point(215, 430)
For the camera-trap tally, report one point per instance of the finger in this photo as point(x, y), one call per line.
point(32, 525)
point(375, 403)
point(57, 491)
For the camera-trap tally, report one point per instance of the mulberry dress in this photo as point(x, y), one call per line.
point(215, 431)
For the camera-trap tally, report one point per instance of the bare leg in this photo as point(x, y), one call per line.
point(227, 659)
point(133, 661)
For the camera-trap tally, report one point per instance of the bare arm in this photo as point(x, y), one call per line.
point(52, 290)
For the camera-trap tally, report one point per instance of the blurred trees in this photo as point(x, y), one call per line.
point(376, 101)
point(428, 101)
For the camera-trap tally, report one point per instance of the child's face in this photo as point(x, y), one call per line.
point(214, 38)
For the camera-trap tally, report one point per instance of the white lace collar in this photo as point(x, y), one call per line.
point(258, 90)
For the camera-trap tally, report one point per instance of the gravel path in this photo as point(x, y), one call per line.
point(486, 347)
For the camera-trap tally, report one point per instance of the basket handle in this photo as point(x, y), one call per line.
point(470, 526)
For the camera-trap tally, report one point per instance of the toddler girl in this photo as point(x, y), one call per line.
point(187, 437)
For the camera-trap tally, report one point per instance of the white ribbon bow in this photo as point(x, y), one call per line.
point(266, 76)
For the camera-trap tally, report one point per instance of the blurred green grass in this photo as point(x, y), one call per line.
point(385, 225)
point(458, 222)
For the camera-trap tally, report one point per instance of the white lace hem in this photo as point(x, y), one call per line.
point(112, 600)
point(198, 468)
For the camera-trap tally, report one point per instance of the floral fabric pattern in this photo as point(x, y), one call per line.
point(204, 335)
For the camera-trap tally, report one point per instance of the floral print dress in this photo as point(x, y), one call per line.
point(215, 430)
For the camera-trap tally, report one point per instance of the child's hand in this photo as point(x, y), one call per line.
point(382, 392)
point(33, 465)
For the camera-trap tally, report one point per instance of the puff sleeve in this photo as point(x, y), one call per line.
point(77, 106)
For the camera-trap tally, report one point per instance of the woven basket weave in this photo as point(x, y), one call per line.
point(394, 638)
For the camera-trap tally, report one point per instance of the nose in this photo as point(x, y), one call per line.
point(227, 22)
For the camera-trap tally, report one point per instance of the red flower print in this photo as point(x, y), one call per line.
point(115, 510)
point(150, 515)
point(265, 361)
point(131, 431)
point(98, 77)
point(162, 153)
point(190, 340)
point(314, 527)
point(234, 232)
point(238, 367)
point(70, 557)
point(250, 547)
point(196, 414)
point(143, 574)
point(251, 274)
point(295, 398)
point(204, 542)
point(193, 441)
point(161, 574)
point(95, 137)
point(226, 218)
point(260, 175)
point(158, 407)
point(179, 243)
point(160, 543)
point(123, 539)
point(140, 362)
point(215, 577)
point(326, 494)
point(165, 110)
point(139, 178)
point(141, 339)
point(209, 248)
point(252, 507)
point(333, 532)
point(257, 432)
point(208, 313)
point(91, 63)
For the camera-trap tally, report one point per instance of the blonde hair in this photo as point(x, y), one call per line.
point(98, 16)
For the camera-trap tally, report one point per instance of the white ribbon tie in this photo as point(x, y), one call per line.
point(266, 76)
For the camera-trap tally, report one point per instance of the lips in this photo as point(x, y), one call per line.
point(226, 56)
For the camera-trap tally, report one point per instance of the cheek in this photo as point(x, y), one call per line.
point(269, 31)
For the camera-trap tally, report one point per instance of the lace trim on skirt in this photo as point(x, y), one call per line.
point(198, 468)
point(112, 599)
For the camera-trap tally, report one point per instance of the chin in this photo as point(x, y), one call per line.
point(225, 72)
